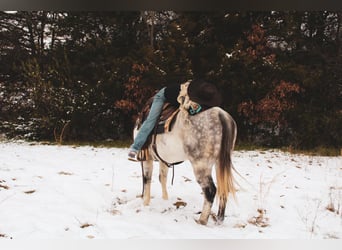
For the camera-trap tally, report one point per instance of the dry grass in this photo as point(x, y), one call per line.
point(65, 173)
point(114, 211)
point(260, 220)
point(4, 186)
point(319, 151)
point(310, 215)
point(179, 204)
point(85, 225)
point(335, 203)
point(30, 191)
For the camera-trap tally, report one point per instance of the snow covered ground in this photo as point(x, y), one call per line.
point(65, 192)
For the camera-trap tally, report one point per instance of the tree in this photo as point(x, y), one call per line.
point(279, 71)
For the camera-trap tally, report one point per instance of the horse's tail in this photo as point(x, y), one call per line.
point(225, 181)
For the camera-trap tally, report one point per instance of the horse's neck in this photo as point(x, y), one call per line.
point(183, 116)
point(181, 120)
point(184, 119)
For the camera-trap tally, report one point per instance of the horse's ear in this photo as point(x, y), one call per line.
point(183, 93)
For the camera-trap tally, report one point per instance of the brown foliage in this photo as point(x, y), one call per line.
point(256, 47)
point(257, 42)
point(136, 92)
point(271, 107)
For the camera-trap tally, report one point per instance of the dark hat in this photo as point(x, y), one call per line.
point(204, 93)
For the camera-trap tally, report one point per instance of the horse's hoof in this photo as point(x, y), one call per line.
point(201, 222)
point(146, 203)
point(219, 222)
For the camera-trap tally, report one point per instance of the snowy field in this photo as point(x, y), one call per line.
point(65, 192)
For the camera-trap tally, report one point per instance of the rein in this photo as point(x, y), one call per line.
point(142, 174)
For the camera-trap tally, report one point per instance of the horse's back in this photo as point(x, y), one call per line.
point(206, 133)
point(195, 137)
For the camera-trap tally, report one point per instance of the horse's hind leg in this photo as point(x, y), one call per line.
point(204, 178)
point(163, 171)
point(147, 178)
point(221, 210)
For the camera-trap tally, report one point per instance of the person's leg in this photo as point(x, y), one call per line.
point(149, 123)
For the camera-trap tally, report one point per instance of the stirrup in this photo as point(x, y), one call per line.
point(133, 156)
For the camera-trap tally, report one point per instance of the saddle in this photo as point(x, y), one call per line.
point(164, 124)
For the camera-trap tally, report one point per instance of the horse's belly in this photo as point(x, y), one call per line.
point(170, 148)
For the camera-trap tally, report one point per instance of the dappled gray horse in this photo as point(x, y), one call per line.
point(205, 139)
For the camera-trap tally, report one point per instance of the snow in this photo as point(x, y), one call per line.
point(66, 192)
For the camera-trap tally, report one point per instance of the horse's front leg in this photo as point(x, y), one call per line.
point(204, 178)
point(147, 178)
point(163, 171)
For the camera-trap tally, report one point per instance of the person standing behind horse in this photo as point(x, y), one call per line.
point(199, 91)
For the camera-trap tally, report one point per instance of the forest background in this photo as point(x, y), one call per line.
point(84, 76)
